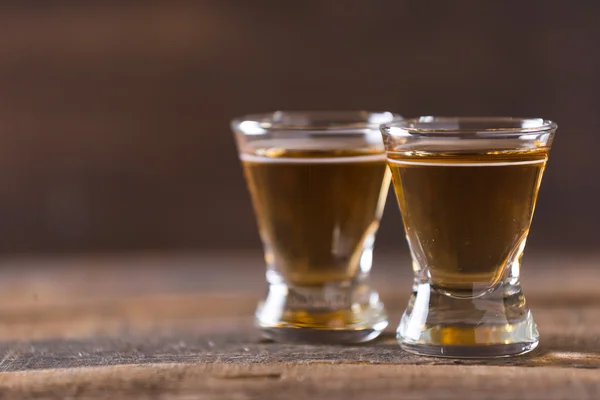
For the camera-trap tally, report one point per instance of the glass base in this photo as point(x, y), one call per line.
point(335, 313)
point(495, 324)
point(488, 351)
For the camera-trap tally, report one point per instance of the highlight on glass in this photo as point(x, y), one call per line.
point(318, 182)
point(467, 189)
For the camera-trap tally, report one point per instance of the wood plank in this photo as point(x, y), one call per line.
point(291, 380)
point(197, 338)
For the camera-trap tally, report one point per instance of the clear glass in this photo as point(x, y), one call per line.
point(467, 189)
point(318, 182)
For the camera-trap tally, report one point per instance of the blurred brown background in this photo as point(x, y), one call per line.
point(114, 116)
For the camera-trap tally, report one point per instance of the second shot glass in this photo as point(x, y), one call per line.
point(467, 189)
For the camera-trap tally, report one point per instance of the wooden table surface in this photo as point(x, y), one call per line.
point(180, 327)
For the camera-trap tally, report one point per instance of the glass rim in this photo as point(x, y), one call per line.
point(313, 120)
point(487, 125)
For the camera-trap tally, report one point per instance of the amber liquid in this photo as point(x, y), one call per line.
point(466, 214)
point(316, 209)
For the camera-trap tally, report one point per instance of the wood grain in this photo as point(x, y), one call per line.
point(293, 380)
point(86, 328)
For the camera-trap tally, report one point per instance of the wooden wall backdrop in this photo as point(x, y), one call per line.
point(114, 115)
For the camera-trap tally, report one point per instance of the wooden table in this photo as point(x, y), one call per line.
point(180, 327)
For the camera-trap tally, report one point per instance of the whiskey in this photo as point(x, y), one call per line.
point(316, 208)
point(466, 214)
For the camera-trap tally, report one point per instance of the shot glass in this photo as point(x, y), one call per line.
point(467, 189)
point(318, 182)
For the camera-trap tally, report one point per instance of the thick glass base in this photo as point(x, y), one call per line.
point(335, 313)
point(487, 351)
point(495, 324)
